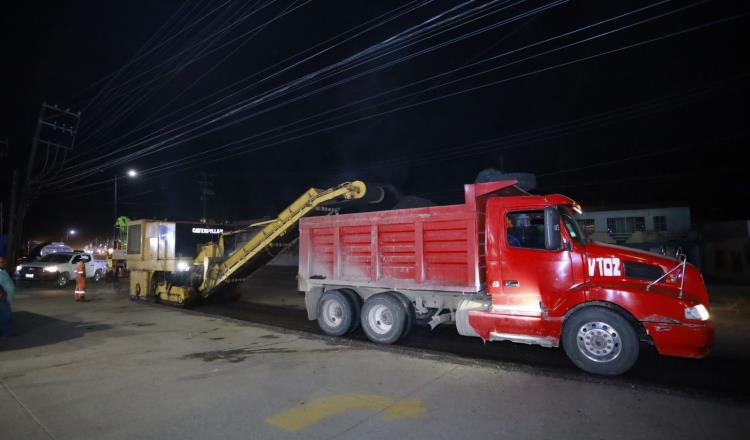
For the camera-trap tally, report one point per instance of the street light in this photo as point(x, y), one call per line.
point(70, 232)
point(132, 173)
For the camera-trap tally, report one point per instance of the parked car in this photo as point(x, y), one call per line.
point(59, 268)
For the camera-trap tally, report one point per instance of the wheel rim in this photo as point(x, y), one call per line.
point(599, 341)
point(333, 313)
point(380, 319)
point(62, 281)
point(97, 276)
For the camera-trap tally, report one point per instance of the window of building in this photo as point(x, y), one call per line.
point(588, 225)
point(660, 223)
point(525, 229)
point(622, 225)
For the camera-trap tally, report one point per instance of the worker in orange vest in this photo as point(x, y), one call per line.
point(80, 292)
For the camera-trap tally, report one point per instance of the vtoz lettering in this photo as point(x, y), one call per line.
point(608, 267)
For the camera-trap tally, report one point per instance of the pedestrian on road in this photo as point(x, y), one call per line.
point(7, 289)
point(80, 292)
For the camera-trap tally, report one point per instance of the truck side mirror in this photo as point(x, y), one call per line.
point(552, 237)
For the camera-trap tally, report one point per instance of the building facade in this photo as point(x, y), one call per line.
point(658, 229)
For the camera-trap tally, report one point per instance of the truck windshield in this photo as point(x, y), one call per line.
point(571, 225)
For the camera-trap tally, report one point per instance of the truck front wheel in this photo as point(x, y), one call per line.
point(335, 313)
point(383, 318)
point(600, 341)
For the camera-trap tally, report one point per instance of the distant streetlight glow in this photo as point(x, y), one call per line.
point(72, 232)
point(132, 173)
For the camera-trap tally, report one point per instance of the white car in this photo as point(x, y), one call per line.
point(59, 267)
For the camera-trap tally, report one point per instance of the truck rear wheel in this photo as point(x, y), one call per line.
point(600, 341)
point(383, 318)
point(356, 302)
point(409, 310)
point(335, 313)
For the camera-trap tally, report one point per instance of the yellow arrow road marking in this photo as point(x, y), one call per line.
point(308, 414)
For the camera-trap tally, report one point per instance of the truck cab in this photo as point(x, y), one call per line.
point(549, 285)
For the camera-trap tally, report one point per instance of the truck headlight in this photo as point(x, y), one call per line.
point(698, 312)
point(50, 269)
point(183, 266)
point(18, 268)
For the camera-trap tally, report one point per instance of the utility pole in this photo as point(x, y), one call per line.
point(56, 129)
point(206, 189)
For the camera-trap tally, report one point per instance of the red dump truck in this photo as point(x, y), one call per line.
point(503, 266)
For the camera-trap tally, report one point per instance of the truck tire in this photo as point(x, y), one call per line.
point(409, 310)
point(98, 275)
point(356, 302)
point(62, 280)
point(600, 341)
point(383, 318)
point(335, 313)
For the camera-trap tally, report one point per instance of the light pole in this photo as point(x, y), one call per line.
point(69, 233)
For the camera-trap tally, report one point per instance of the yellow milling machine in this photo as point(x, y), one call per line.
point(162, 268)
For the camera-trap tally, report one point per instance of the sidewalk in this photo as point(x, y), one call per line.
point(112, 369)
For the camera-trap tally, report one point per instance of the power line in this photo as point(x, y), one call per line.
point(158, 148)
point(475, 88)
point(517, 76)
point(228, 145)
point(399, 10)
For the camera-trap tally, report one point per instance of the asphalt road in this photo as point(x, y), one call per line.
point(269, 297)
point(724, 374)
point(112, 369)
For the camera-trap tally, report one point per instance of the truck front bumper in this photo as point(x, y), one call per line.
point(682, 340)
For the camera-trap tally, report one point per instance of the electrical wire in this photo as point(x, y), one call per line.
point(213, 151)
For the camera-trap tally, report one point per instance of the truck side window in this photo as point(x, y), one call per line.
point(525, 229)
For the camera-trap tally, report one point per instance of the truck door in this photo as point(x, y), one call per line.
point(535, 267)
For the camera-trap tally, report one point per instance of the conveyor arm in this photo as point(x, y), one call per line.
point(217, 273)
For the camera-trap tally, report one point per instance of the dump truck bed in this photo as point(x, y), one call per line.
point(423, 248)
point(436, 248)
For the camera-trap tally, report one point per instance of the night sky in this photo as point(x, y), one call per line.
point(660, 119)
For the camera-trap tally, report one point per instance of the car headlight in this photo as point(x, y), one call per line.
point(183, 266)
point(51, 269)
point(698, 312)
point(18, 268)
